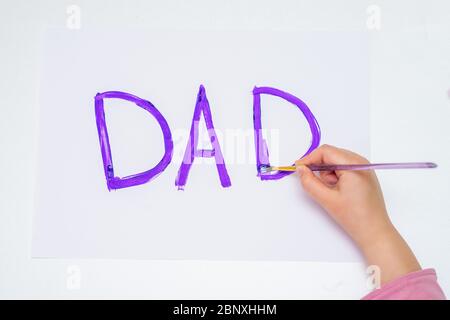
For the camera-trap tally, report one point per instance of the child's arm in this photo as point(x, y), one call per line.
point(355, 201)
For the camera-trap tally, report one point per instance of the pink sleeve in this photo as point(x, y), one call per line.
point(419, 285)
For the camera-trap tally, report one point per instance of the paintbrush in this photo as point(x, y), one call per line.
point(354, 167)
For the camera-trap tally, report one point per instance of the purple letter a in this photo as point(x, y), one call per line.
point(202, 106)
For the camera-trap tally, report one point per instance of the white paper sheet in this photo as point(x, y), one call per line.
point(76, 215)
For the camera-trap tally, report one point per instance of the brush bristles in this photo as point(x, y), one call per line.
point(268, 169)
point(265, 169)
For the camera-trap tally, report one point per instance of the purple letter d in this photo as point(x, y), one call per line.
point(262, 152)
point(139, 178)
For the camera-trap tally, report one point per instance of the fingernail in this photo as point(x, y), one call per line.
point(300, 169)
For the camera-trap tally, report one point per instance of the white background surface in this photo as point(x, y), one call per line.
point(77, 217)
point(410, 109)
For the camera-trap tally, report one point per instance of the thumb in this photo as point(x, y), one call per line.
point(313, 185)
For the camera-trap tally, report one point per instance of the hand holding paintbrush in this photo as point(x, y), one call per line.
point(353, 198)
point(353, 167)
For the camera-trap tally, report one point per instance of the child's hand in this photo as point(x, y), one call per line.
point(355, 201)
point(353, 198)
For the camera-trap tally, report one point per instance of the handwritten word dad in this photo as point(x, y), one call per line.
point(201, 108)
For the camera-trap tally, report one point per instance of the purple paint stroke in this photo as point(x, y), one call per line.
point(262, 152)
point(202, 106)
point(139, 178)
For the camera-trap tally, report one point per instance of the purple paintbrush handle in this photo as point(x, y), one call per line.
point(372, 166)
